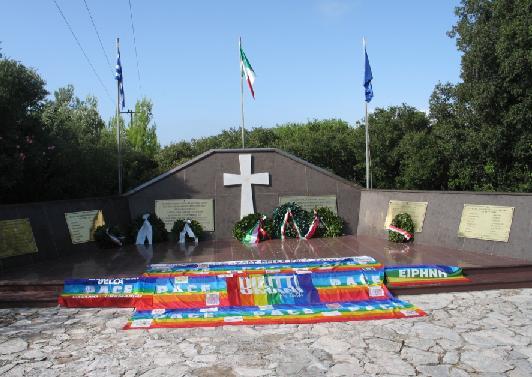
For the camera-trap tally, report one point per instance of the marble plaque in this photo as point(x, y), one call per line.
point(16, 238)
point(485, 222)
point(416, 210)
point(308, 203)
point(201, 210)
point(82, 225)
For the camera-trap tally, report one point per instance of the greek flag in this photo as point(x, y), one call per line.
point(367, 77)
point(119, 78)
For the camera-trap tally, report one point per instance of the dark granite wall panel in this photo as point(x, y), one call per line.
point(204, 179)
point(49, 226)
point(444, 211)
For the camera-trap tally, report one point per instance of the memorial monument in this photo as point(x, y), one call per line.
point(209, 190)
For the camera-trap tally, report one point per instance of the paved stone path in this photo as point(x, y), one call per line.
point(479, 333)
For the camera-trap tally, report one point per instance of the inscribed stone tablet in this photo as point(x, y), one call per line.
point(81, 225)
point(200, 210)
point(16, 238)
point(308, 203)
point(491, 223)
point(415, 209)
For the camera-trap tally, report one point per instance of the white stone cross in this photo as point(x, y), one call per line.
point(246, 179)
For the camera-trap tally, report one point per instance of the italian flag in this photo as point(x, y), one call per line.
point(247, 70)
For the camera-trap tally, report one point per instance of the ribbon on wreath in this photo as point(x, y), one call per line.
point(145, 231)
point(405, 234)
point(287, 216)
point(314, 226)
point(187, 230)
point(257, 233)
point(113, 238)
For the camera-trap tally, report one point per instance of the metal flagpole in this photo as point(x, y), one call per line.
point(241, 87)
point(118, 128)
point(367, 128)
point(367, 148)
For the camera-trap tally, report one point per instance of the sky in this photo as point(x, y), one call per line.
point(307, 56)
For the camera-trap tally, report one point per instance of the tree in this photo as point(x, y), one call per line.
point(22, 138)
point(388, 127)
point(488, 113)
point(83, 158)
point(328, 143)
point(140, 135)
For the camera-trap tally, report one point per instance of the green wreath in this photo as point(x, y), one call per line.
point(302, 218)
point(102, 238)
point(196, 227)
point(403, 221)
point(159, 229)
point(331, 225)
point(246, 223)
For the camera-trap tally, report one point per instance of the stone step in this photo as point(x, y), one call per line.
point(28, 299)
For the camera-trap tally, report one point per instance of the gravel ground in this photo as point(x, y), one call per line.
point(476, 333)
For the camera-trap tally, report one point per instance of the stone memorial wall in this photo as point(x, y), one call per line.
point(494, 223)
point(50, 228)
point(211, 187)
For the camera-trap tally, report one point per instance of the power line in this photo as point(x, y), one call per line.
point(135, 43)
point(82, 50)
point(98, 35)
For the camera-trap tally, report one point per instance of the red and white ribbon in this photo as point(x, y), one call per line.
point(287, 216)
point(313, 226)
point(405, 234)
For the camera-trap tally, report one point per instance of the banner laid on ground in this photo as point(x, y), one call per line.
point(246, 292)
point(96, 293)
point(422, 275)
point(274, 314)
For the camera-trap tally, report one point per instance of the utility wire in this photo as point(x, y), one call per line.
point(98, 35)
point(135, 43)
point(83, 51)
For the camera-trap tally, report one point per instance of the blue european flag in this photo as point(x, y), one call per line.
point(367, 78)
point(119, 78)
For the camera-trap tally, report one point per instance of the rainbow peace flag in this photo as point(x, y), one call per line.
point(423, 275)
point(259, 292)
point(273, 314)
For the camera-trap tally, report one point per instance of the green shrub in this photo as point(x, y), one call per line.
point(403, 221)
point(331, 225)
point(102, 238)
point(159, 230)
point(179, 224)
point(243, 225)
point(302, 218)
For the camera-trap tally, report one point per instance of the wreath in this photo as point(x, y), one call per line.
point(159, 229)
point(402, 228)
point(243, 226)
point(331, 225)
point(301, 218)
point(196, 227)
point(108, 237)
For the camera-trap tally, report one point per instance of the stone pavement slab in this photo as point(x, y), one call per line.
point(475, 333)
